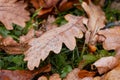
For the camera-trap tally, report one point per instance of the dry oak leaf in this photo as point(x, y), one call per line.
point(112, 38)
point(15, 75)
point(46, 5)
point(52, 41)
point(28, 36)
point(10, 46)
point(96, 21)
point(12, 11)
point(105, 64)
point(73, 75)
point(22, 74)
point(85, 73)
point(113, 74)
point(42, 78)
point(46, 26)
point(55, 76)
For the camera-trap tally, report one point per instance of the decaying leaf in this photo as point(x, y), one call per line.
point(12, 11)
point(22, 74)
point(52, 41)
point(15, 75)
point(42, 78)
point(112, 38)
point(87, 78)
point(55, 76)
point(67, 4)
point(85, 73)
point(96, 21)
point(113, 74)
point(8, 41)
point(46, 5)
point(105, 64)
point(46, 26)
point(10, 46)
point(73, 75)
point(27, 37)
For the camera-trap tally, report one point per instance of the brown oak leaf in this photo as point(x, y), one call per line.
point(85, 73)
point(46, 5)
point(52, 41)
point(46, 26)
point(105, 64)
point(55, 76)
point(112, 38)
point(114, 74)
point(73, 75)
point(12, 11)
point(42, 78)
point(22, 74)
point(28, 36)
point(96, 21)
point(10, 46)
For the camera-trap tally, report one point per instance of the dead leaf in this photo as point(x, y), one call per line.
point(46, 5)
point(28, 36)
point(113, 74)
point(15, 75)
point(85, 73)
point(96, 21)
point(8, 41)
point(97, 78)
point(73, 75)
point(49, 23)
point(55, 76)
point(42, 78)
point(105, 64)
point(10, 46)
point(87, 78)
point(46, 26)
point(13, 12)
point(52, 41)
point(112, 38)
point(22, 74)
point(67, 4)
point(115, 5)
point(45, 11)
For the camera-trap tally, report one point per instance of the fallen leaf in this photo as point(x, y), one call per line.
point(97, 78)
point(10, 46)
point(52, 41)
point(114, 74)
point(73, 75)
point(15, 75)
point(46, 5)
point(87, 78)
point(49, 23)
point(105, 64)
point(12, 11)
point(8, 41)
point(85, 73)
point(28, 36)
point(112, 38)
point(67, 4)
point(96, 21)
point(46, 26)
point(115, 5)
point(22, 74)
point(45, 11)
point(55, 76)
point(42, 78)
